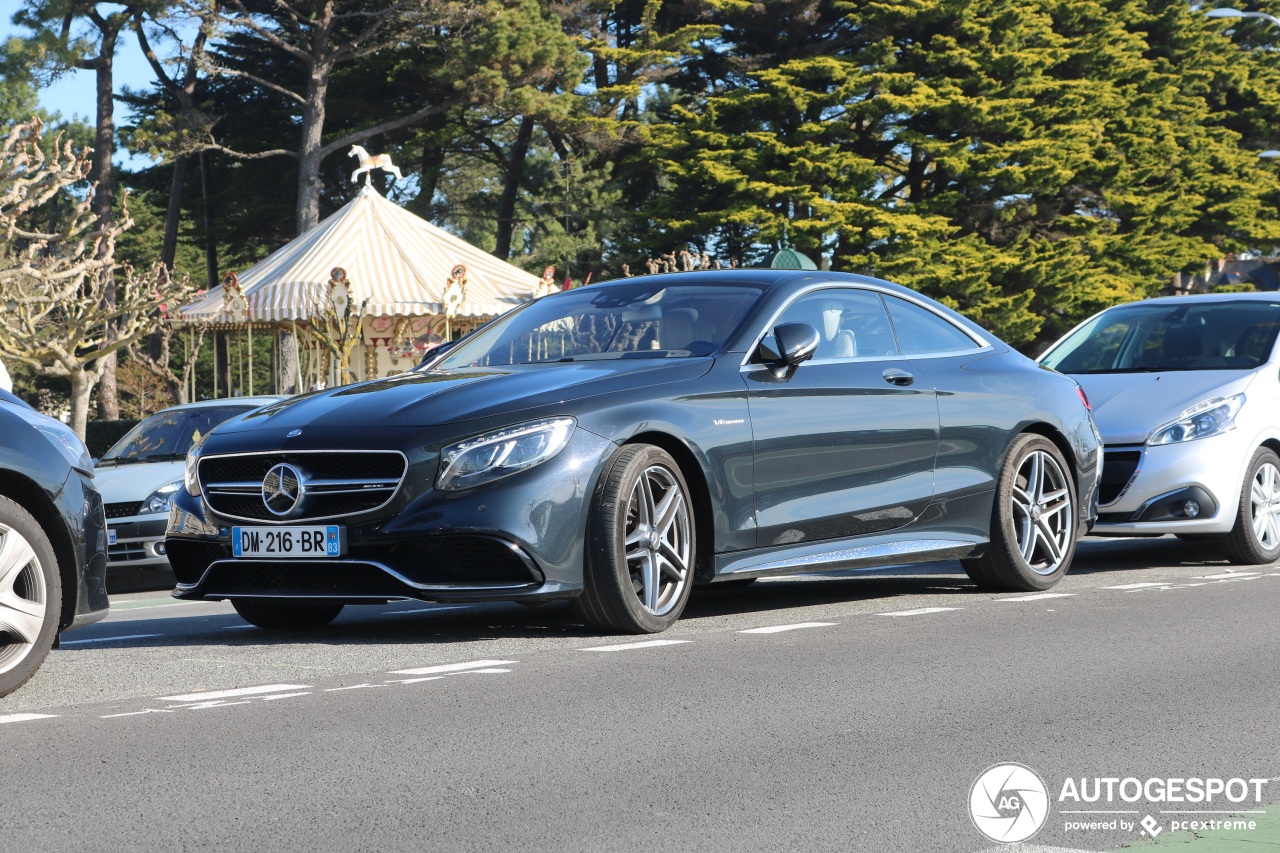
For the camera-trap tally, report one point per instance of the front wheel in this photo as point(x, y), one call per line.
point(1255, 538)
point(30, 596)
point(640, 544)
point(286, 615)
point(1033, 522)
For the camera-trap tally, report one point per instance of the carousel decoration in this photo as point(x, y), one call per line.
point(547, 284)
point(369, 162)
point(455, 293)
point(339, 295)
point(236, 305)
point(337, 328)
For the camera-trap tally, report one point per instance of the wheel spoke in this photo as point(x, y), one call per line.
point(1259, 493)
point(1027, 538)
point(1273, 531)
point(1260, 525)
point(15, 555)
point(667, 510)
point(1050, 539)
point(650, 582)
point(21, 617)
point(1035, 478)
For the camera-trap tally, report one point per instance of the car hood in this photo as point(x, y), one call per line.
point(437, 397)
point(1128, 406)
point(132, 483)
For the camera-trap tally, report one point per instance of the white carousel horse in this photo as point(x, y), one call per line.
point(372, 161)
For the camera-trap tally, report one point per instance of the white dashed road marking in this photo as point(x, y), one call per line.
point(777, 629)
point(1039, 596)
point(1143, 585)
point(623, 647)
point(920, 612)
point(1232, 575)
point(22, 718)
point(108, 639)
point(238, 692)
point(452, 667)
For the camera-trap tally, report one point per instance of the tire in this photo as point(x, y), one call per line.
point(30, 596)
point(280, 615)
point(1033, 522)
point(638, 572)
point(1255, 538)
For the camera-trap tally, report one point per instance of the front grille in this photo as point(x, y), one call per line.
point(337, 483)
point(127, 551)
point(189, 558)
point(271, 577)
point(123, 510)
point(1119, 467)
point(459, 559)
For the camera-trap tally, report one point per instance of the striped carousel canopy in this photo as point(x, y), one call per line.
point(399, 262)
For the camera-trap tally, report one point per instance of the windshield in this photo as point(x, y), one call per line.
point(629, 319)
point(1146, 337)
point(168, 435)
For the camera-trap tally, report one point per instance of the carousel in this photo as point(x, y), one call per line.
point(365, 293)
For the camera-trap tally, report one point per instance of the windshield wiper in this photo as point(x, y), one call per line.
point(119, 460)
point(163, 457)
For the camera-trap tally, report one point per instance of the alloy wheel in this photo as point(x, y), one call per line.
point(24, 598)
point(1264, 504)
point(658, 540)
point(1042, 513)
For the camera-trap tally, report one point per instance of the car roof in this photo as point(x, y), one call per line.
point(251, 402)
point(1193, 298)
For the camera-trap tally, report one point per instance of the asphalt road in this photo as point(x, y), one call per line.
point(839, 712)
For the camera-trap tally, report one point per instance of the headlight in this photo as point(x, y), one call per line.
point(488, 457)
point(158, 501)
point(61, 436)
point(189, 472)
point(1212, 417)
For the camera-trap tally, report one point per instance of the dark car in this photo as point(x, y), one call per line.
point(53, 540)
point(619, 443)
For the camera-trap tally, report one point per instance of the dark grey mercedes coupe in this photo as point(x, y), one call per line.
point(621, 443)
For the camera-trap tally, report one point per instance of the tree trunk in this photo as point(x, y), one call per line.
point(431, 165)
point(307, 213)
point(210, 240)
point(511, 188)
point(81, 390)
point(104, 201)
point(173, 216)
point(289, 363)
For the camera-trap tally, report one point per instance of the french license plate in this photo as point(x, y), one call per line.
point(305, 541)
point(111, 536)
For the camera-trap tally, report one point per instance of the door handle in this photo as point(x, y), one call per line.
point(894, 376)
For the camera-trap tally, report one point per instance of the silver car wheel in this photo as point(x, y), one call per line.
point(658, 542)
point(1264, 504)
point(1042, 512)
point(24, 598)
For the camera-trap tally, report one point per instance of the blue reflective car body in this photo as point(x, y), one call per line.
point(828, 465)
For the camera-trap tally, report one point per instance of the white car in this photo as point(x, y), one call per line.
point(1186, 393)
point(139, 474)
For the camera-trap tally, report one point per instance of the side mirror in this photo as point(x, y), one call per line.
point(797, 342)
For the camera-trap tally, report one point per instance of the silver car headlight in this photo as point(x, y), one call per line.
point(1212, 417)
point(61, 436)
point(494, 455)
point(189, 478)
point(159, 500)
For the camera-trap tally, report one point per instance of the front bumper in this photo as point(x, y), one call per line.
point(1150, 501)
point(520, 537)
point(80, 506)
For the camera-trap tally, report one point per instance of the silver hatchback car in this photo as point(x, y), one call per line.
point(1186, 393)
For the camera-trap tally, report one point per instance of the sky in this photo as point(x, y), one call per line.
point(73, 94)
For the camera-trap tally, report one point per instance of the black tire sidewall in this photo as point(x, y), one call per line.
point(1011, 568)
point(607, 575)
point(13, 515)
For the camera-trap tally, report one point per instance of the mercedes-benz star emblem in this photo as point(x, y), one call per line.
point(282, 489)
point(294, 433)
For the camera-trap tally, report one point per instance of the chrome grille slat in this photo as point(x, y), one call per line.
point(331, 490)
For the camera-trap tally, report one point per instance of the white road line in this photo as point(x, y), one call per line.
point(284, 695)
point(623, 647)
point(22, 718)
point(430, 609)
point(921, 612)
point(239, 691)
point(352, 687)
point(109, 639)
point(777, 629)
point(452, 667)
point(1143, 585)
point(137, 713)
point(1039, 596)
point(413, 680)
point(1225, 575)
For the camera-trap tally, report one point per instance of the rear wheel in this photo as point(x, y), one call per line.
point(640, 544)
point(30, 596)
point(280, 615)
point(1255, 538)
point(1033, 522)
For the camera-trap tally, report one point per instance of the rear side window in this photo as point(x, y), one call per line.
point(922, 332)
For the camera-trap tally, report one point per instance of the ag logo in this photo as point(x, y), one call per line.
point(1009, 803)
